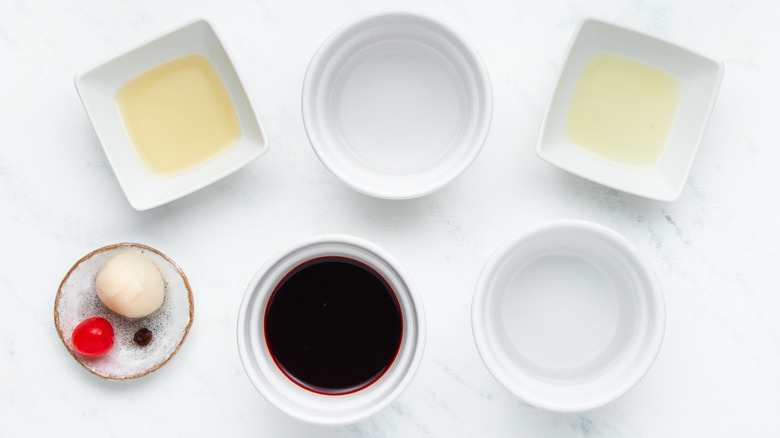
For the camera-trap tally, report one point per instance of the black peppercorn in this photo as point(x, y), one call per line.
point(143, 337)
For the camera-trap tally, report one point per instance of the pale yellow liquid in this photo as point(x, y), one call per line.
point(178, 115)
point(623, 110)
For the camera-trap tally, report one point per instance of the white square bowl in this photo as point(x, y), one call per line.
point(97, 88)
point(699, 78)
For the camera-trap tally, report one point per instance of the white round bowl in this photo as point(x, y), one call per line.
point(397, 104)
point(292, 398)
point(568, 316)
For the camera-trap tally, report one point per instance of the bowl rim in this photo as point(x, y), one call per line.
point(654, 294)
point(481, 77)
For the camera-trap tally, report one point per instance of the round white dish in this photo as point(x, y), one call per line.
point(568, 315)
point(289, 396)
point(397, 104)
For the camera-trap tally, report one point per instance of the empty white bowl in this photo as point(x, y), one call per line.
point(568, 315)
point(292, 398)
point(97, 88)
point(396, 104)
point(699, 79)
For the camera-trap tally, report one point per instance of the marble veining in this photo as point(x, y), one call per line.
point(716, 250)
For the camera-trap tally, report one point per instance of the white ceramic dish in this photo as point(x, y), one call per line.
point(699, 78)
point(97, 88)
point(77, 300)
point(287, 395)
point(396, 104)
point(568, 316)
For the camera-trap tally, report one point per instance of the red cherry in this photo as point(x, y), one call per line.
point(93, 337)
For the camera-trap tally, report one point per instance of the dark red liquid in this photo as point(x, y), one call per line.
point(333, 325)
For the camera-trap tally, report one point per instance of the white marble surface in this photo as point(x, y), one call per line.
point(716, 249)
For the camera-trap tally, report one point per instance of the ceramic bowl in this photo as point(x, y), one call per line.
point(396, 104)
point(699, 80)
point(289, 396)
point(77, 300)
point(97, 88)
point(568, 315)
